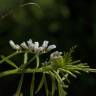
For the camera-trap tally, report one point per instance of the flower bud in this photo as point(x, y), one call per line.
point(57, 59)
point(12, 44)
point(55, 55)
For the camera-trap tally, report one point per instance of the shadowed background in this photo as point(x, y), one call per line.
point(63, 22)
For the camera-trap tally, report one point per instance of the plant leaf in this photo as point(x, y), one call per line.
point(69, 72)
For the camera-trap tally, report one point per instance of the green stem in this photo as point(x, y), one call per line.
point(9, 62)
point(46, 87)
point(37, 59)
point(32, 85)
point(22, 75)
point(40, 84)
point(53, 82)
point(59, 80)
point(18, 71)
point(8, 57)
point(25, 58)
point(33, 77)
point(26, 64)
point(10, 72)
point(28, 70)
point(19, 85)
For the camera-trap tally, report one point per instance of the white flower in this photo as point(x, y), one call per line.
point(23, 45)
point(45, 44)
point(30, 44)
point(14, 46)
point(36, 47)
point(51, 47)
point(33, 47)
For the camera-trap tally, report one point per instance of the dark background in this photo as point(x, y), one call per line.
point(63, 22)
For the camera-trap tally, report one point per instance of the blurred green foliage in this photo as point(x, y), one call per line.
point(64, 22)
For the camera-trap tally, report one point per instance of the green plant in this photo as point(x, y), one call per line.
point(58, 67)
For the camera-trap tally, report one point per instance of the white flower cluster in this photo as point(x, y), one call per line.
point(55, 55)
point(32, 47)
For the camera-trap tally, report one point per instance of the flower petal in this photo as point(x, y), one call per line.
point(45, 44)
point(51, 47)
point(36, 45)
point(30, 44)
point(24, 45)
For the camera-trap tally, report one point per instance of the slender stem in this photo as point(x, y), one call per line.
point(33, 77)
point(46, 86)
point(18, 71)
point(53, 82)
point(57, 75)
point(26, 64)
point(40, 84)
point(9, 72)
point(37, 60)
point(32, 85)
point(25, 58)
point(22, 75)
point(19, 85)
point(9, 62)
point(13, 54)
point(59, 80)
